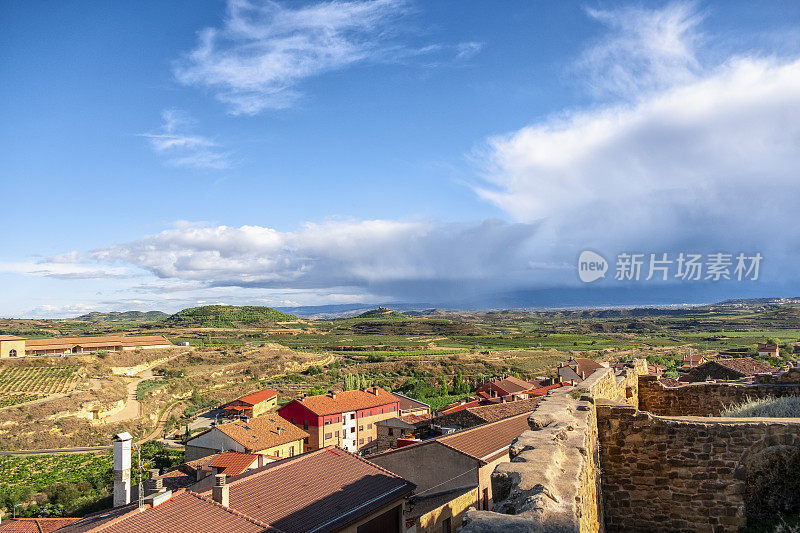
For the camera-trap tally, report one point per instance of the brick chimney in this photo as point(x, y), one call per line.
point(220, 490)
point(122, 469)
point(154, 485)
point(332, 394)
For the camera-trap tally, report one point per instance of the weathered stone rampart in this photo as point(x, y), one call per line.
point(710, 398)
point(553, 480)
point(692, 473)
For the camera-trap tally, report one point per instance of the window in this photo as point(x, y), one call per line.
point(328, 422)
point(391, 431)
point(369, 426)
point(369, 439)
point(291, 451)
point(361, 428)
point(352, 416)
point(352, 430)
point(305, 424)
point(328, 435)
point(337, 420)
point(446, 525)
point(369, 413)
point(361, 441)
point(337, 434)
point(12, 353)
point(391, 409)
point(380, 411)
point(305, 441)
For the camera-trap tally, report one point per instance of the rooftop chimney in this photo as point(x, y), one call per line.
point(154, 485)
point(122, 469)
point(220, 490)
point(332, 394)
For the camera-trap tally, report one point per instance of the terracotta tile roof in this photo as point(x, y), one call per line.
point(34, 525)
point(415, 419)
point(407, 403)
point(176, 479)
point(262, 432)
point(322, 490)
point(747, 366)
point(670, 382)
point(185, 512)
point(587, 365)
point(10, 338)
point(257, 397)
point(233, 463)
point(489, 441)
point(346, 401)
point(499, 411)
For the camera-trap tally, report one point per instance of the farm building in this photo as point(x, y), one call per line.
point(252, 405)
point(11, 346)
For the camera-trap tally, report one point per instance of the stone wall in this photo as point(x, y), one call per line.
point(553, 480)
point(693, 473)
point(710, 398)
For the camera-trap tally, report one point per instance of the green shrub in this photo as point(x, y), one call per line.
point(785, 407)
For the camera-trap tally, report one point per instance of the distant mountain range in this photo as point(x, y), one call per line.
point(234, 316)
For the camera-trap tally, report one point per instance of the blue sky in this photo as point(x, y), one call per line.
point(158, 155)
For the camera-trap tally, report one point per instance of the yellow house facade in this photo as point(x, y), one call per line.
point(11, 346)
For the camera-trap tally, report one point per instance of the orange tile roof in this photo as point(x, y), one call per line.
point(257, 397)
point(323, 490)
point(352, 400)
point(10, 338)
point(233, 463)
point(185, 512)
point(34, 525)
point(262, 432)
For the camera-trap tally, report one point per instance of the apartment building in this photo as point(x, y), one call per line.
point(345, 419)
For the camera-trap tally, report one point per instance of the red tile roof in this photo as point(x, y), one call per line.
point(185, 512)
point(257, 397)
point(499, 411)
point(233, 463)
point(10, 338)
point(352, 400)
point(322, 490)
point(96, 342)
point(34, 525)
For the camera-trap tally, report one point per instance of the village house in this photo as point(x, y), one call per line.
point(251, 405)
point(475, 416)
point(12, 346)
point(269, 437)
point(768, 350)
point(577, 369)
point(410, 406)
point(345, 419)
point(452, 472)
point(406, 428)
point(505, 386)
point(727, 369)
point(325, 491)
point(692, 361)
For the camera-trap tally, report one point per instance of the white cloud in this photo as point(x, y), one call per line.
point(58, 267)
point(645, 50)
point(185, 149)
point(378, 255)
point(265, 49)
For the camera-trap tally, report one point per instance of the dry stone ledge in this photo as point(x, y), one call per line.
point(553, 480)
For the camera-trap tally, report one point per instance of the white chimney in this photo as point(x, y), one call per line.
point(220, 491)
point(122, 469)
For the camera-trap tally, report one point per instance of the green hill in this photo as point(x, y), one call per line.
point(227, 316)
point(383, 312)
point(127, 316)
